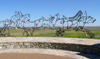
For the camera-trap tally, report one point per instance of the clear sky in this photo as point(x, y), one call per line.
point(38, 8)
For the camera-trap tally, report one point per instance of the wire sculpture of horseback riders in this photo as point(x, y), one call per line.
point(19, 20)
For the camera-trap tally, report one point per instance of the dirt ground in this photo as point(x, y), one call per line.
point(30, 56)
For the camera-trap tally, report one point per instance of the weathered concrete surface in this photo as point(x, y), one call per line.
point(50, 39)
point(76, 55)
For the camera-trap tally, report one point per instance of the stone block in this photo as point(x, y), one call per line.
point(54, 45)
point(1, 44)
point(88, 50)
point(77, 47)
point(42, 46)
point(94, 46)
point(82, 50)
point(64, 46)
point(89, 46)
point(67, 46)
point(21, 44)
point(4, 46)
point(95, 51)
point(73, 47)
point(32, 44)
point(98, 50)
point(58, 46)
point(11, 45)
point(16, 45)
point(26, 44)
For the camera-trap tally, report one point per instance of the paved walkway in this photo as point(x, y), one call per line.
point(76, 55)
point(51, 39)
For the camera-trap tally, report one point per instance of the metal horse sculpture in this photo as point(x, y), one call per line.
point(19, 20)
point(16, 19)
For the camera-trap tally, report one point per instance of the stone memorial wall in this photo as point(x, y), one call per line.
point(89, 49)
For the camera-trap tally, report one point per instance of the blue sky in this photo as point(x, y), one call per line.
point(38, 8)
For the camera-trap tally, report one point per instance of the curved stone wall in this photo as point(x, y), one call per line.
point(90, 49)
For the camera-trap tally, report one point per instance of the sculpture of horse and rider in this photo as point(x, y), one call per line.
point(19, 20)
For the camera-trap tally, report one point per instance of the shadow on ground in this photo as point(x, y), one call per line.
point(90, 56)
point(96, 44)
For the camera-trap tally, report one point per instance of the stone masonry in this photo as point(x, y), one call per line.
point(89, 49)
